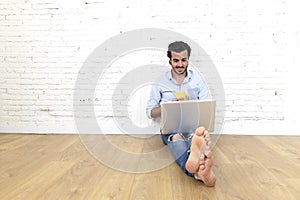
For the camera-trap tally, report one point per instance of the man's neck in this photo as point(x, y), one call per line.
point(179, 77)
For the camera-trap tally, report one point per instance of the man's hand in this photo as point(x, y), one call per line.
point(156, 112)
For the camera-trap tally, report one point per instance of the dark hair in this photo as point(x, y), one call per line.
point(178, 47)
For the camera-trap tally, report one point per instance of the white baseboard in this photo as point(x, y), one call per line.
point(234, 128)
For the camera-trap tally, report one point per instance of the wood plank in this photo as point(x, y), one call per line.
point(145, 186)
point(62, 167)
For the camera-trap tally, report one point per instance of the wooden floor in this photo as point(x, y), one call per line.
point(60, 167)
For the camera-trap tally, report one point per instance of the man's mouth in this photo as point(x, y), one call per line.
point(179, 67)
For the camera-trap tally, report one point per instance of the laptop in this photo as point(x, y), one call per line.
point(187, 116)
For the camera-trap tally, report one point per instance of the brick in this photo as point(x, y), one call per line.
point(9, 23)
point(21, 113)
point(11, 108)
point(4, 11)
point(16, 59)
point(44, 44)
point(18, 17)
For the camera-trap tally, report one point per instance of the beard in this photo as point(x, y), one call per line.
point(179, 70)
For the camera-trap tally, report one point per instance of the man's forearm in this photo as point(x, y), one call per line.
point(156, 112)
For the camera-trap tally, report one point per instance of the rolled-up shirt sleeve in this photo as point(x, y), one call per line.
point(154, 100)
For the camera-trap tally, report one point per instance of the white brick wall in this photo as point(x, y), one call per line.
point(43, 44)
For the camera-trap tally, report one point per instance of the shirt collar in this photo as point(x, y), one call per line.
point(186, 79)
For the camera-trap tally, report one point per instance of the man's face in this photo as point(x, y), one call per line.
point(179, 62)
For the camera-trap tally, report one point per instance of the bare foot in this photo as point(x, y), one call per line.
point(197, 147)
point(206, 138)
point(205, 172)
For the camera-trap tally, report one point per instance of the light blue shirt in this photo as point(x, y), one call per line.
point(165, 88)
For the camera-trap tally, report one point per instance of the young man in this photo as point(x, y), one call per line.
point(190, 150)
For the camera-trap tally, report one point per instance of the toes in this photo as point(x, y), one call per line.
point(200, 131)
point(202, 156)
point(208, 154)
point(205, 133)
point(202, 167)
point(207, 138)
point(209, 162)
point(208, 143)
point(205, 172)
point(202, 161)
point(208, 165)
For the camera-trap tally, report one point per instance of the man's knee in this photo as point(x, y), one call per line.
point(175, 137)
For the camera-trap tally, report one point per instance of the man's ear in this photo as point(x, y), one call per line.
point(170, 62)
